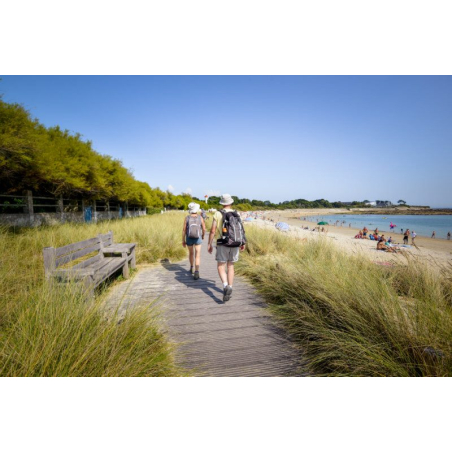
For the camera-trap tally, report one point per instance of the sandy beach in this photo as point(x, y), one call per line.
point(435, 251)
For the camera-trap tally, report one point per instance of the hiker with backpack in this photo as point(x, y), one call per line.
point(193, 234)
point(228, 230)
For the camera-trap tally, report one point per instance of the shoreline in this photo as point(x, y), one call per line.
point(437, 251)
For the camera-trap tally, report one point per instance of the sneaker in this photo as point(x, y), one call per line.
point(191, 270)
point(196, 275)
point(227, 292)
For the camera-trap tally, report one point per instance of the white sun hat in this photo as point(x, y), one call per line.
point(226, 200)
point(193, 207)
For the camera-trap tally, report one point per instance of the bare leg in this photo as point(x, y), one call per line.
point(190, 255)
point(230, 273)
point(222, 272)
point(197, 256)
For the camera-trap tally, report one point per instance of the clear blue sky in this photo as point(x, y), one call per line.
point(338, 138)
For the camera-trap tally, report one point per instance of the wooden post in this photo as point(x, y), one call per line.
point(49, 261)
point(60, 206)
point(94, 212)
point(89, 286)
point(101, 244)
point(107, 204)
point(133, 260)
point(29, 206)
point(125, 269)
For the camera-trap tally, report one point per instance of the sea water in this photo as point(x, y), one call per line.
point(424, 225)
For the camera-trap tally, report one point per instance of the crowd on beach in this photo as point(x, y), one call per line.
point(384, 244)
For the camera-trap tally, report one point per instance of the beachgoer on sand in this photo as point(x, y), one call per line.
point(382, 247)
point(365, 231)
point(406, 234)
point(413, 236)
point(433, 235)
point(448, 236)
point(228, 229)
point(193, 233)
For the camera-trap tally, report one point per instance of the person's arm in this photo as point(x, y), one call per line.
point(243, 246)
point(184, 243)
point(203, 228)
point(212, 235)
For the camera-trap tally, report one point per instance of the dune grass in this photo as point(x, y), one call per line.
point(50, 330)
point(350, 316)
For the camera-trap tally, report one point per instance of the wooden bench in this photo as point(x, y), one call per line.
point(93, 271)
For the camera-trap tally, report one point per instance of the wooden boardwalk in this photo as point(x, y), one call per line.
point(236, 338)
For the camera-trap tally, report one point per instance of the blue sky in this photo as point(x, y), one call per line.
point(334, 137)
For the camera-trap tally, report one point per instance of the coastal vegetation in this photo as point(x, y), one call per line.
point(50, 330)
point(52, 161)
point(350, 316)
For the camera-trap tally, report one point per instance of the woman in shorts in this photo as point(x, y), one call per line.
point(196, 224)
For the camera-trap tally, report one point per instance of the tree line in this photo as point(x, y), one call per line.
point(52, 161)
point(49, 160)
point(254, 204)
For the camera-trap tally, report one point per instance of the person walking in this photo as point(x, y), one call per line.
point(413, 236)
point(227, 228)
point(193, 233)
point(448, 235)
point(433, 235)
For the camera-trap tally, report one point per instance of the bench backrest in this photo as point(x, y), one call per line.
point(56, 257)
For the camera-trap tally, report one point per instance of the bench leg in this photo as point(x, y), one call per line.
point(125, 268)
point(133, 262)
point(89, 287)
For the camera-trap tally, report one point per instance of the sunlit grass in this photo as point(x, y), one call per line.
point(53, 330)
point(349, 315)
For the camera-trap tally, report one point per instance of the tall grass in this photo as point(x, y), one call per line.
point(52, 330)
point(349, 315)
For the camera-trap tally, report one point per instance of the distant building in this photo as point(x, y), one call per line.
point(379, 203)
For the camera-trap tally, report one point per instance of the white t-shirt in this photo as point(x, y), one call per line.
point(413, 234)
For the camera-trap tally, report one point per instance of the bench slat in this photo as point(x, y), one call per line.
point(89, 261)
point(71, 257)
point(109, 269)
point(99, 265)
point(76, 246)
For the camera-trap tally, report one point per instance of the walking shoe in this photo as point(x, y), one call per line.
point(227, 292)
point(196, 275)
point(191, 270)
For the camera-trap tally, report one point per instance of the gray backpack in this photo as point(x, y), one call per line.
point(233, 233)
point(194, 227)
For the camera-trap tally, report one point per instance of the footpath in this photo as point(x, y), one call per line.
point(236, 338)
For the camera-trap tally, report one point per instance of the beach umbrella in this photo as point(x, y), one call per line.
point(282, 226)
point(322, 222)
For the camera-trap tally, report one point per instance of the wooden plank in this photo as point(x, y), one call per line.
point(89, 262)
point(236, 338)
point(108, 270)
point(76, 255)
point(76, 246)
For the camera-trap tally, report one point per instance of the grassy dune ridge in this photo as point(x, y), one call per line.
point(349, 315)
point(53, 331)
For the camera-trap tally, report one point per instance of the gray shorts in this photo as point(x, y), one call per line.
point(227, 254)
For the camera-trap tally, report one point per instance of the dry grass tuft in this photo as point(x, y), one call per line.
point(350, 316)
point(48, 330)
